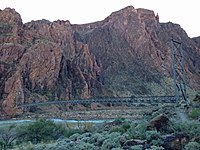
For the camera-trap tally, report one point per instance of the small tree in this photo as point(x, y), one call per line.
point(7, 136)
point(154, 138)
point(41, 130)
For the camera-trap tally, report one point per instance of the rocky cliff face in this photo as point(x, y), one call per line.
point(197, 41)
point(126, 54)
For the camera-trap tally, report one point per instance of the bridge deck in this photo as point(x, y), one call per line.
point(120, 100)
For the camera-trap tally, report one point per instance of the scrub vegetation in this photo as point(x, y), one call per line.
point(119, 134)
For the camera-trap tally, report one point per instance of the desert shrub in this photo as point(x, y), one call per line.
point(84, 146)
point(117, 148)
point(64, 144)
point(154, 138)
point(87, 134)
point(85, 137)
point(112, 135)
point(192, 146)
point(74, 137)
point(123, 138)
point(109, 144)
point(191, 129)
point(138, 131)
point(95, 138)
point(124, 127)
point(8, 136)
point(2, 144)
point(25, 146)
point(41, 130)
point(137, 147)
point(112, 140)
point(46, 147)
point(195, 113)
point(30, 146)
point(86, 140)
point(98, 138)
point(87, 126)
point(117, 129)
point(156, 148)
point(70, 132)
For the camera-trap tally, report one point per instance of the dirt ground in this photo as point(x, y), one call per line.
point(88, 114)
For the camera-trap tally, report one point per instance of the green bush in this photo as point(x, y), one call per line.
point(126, 126)
point(8, 136)
point(195, 113)
point(191, 129)
point(122, 127)
point(192, 146)
point(87, 126)
point(30, 146)
point(112, 140)
point(2, 144)
point(154, 138)
point(110, 144)
point(156, 148)
point(70, 132)
point(41, 130)
point(117, 148)
point(74, 137)
point(85, 137)
point(137, 147)
point(67, 144)
point(84, 146)
point(117, 129)
point(96, 138)
point(138, 131)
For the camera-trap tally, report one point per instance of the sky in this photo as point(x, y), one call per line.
point(183, 12)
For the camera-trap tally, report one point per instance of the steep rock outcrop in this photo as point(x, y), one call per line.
point(133, 44)
point(127, 54)
point(197, 41)
point(42, 61)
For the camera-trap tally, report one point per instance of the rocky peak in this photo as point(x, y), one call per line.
point(145, 14)
point(120, 19)
point(10, 16)
point(127, 12)
point(197, 41)
point(124, 12)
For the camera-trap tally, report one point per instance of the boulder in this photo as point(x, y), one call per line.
point(159, 123)
point(134, 142)
point(174, 141)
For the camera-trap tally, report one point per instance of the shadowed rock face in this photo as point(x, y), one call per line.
point(197, 41)
point(123, 55)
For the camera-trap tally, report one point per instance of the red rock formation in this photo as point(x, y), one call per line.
point(118, 56)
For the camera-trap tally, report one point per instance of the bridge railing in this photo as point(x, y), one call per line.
point(114, 100)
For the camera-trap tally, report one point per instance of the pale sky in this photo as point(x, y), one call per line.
point(184, 12)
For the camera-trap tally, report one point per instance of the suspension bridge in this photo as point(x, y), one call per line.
point(128, 101)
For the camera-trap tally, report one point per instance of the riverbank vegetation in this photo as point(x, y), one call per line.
point(156, 131)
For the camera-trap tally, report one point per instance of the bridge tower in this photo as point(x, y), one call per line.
point(178, 71)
